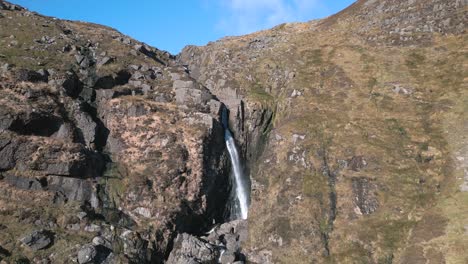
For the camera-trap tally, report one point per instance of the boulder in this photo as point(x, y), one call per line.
point(87, 254)
point(71, 84)
point(25, 75)
point(188, 248)
point(227, 257)
point(37, 240)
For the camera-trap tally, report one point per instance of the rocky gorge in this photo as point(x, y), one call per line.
point(351, 131)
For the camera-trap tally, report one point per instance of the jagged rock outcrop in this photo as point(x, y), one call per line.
point(348, 110)
point(103, 137)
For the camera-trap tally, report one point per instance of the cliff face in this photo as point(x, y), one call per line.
point(363, 119)
point(104, 140)
point(353, 130)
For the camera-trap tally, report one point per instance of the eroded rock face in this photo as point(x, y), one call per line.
point(335, 166)
point(110, 144)
point(348, 139)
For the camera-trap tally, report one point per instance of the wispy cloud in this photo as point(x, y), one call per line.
point(245, 16)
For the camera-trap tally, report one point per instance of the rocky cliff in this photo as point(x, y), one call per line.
point(352, 128)
point(354, 131)
point(108, 148)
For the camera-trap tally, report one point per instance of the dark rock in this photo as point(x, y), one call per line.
point(67, 48)
point(7, 153)
point(189, 248)
point(37, 240)
point(4, 252)
point(72, 84)
point(37, 124)
point(365, 195)
point(26, 183)
point(105, 82)
point(25, 75)
point(87, 254)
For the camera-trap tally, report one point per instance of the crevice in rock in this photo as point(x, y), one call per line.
point(331, 215)
point(109, 81)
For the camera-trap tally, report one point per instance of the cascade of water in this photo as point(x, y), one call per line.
point(240, 203)
point(240, 188)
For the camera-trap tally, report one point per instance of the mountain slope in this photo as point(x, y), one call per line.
point(352, 128)
point(366, 156)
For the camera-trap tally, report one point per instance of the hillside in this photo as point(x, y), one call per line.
point(353, 129)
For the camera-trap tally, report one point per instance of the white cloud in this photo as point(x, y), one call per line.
point(245, 16)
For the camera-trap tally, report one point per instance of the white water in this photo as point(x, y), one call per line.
point(241, 192)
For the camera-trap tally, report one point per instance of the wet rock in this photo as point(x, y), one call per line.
point(188, 248)
point(365, 195)
point(38, 239)
point(87, 254)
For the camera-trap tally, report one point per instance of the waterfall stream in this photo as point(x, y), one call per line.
point(240, 197)
point(242, 206)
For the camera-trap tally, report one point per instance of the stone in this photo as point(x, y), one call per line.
point(87, 254)
point(365, 195)
point(65, 132)
point(92, 228)
point(104, 61)
point(227, 257)
point(134, 246)
point(37, 240)
point(101, 241)
point(5, 67)
point(25, 75)
point(72, 84)
point(137, 75)
point(134, 67)
point(82, 215)
point(188, 248)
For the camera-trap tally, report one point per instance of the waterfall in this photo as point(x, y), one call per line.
point(240, 201)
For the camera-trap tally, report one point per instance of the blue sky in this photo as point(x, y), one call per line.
point(172, 24)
